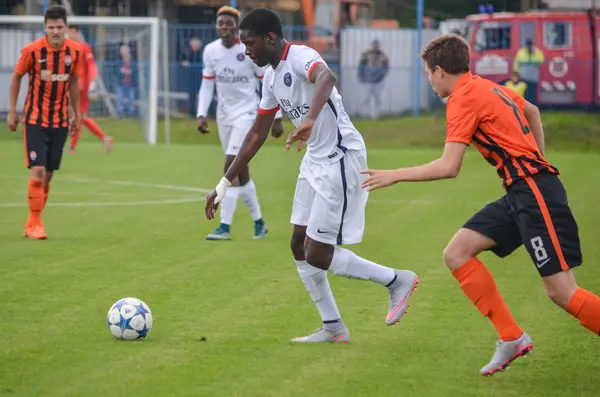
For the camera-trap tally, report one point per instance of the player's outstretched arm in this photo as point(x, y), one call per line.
point(253, 142)
point(532, 114)
point(447, 166)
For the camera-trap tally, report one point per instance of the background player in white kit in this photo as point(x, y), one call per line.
point(237, 80)
point(329, 203)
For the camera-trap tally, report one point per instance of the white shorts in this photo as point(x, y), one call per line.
point(329, 200)
point(232, 135)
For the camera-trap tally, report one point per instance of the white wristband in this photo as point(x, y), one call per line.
point(224, 182)
point(221, 189)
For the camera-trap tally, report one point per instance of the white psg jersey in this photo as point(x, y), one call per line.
point(289, 87)
point(236, 78)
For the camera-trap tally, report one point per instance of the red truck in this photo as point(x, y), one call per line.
point(569, 41)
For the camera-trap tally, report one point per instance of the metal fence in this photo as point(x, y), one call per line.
point(372, 91)
point(556, 58)
point(186, 46)
point(392, 95)
point(554, 55)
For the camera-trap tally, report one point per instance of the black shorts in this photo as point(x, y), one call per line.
point(44, 146)
point(534, 212)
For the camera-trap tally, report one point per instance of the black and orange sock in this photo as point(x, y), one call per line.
point(95, 128)
point(35, 196)
point(480, 287)
point(585, 307)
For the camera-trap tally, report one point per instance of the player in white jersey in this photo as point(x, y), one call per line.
point(236, 79)
point(329, 203)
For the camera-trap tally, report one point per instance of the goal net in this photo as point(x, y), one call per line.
point(127, 52)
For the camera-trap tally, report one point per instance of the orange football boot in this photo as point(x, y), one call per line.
point(36, 233)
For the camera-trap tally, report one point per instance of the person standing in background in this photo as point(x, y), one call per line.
point(53, 64)
point(372, 70)
point(126, 88)
point(192, 72)
point(527, 64)
point(88, 73)
point(235, 78)
point(517, 85)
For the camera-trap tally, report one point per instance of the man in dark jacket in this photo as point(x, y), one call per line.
point(374, 66)
point(191, 73)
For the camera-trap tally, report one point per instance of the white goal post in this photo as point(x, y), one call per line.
point(141, 33)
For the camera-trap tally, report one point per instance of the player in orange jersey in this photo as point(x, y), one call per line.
point(52, 64)
point(535, 212)
point(88, 75)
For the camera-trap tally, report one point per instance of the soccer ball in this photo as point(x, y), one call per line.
point(129, 319)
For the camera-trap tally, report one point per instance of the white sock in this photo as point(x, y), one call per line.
point(347, 264)
point(248, 193)
point(228, 204)
point(316, 284)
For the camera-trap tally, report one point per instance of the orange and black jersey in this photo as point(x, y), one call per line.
point(492, 117)
point(50, 71)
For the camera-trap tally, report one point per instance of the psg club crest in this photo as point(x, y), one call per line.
point(241, 57)
point(287, 79)
point(68, 60)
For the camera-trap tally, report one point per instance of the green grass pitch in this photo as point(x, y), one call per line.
point(131, 224)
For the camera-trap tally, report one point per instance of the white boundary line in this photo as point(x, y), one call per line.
point(160, 186)
point(167, 201)
point(75, 194)
point(119, 203)
point(125, 183)
point(110, 203)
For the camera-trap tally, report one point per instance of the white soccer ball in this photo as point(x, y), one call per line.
point(129, 319)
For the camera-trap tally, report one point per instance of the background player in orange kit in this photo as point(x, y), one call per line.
point(89, 72)
point(508, 132)
point(52, 64)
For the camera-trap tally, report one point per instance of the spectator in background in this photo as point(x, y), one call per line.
point(126, 87)
point(192, 55)
point(192, 73)
point(517, 85)
point(527, 64)
point(373, 67)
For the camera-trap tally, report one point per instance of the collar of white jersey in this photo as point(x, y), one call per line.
point(284, 56)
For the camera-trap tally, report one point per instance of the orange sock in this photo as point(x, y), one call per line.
point(95, 128)
point(480, 287)
point(585, 307)
point(46, 191)
point(35, 195)
point(74, 140)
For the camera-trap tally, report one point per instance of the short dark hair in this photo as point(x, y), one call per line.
point(75, 27)
point(55, 12)
point(450, 52)
point(227, 10)
point(262, 21)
